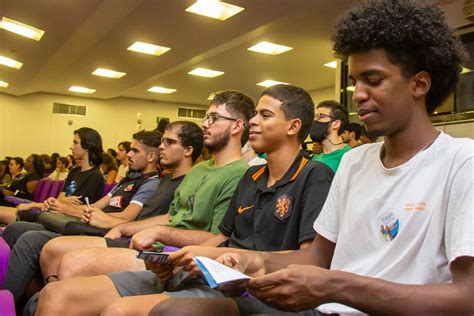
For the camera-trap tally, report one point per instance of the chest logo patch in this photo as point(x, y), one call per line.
point(242, 209)
point(283, 207)
point(116, 201)
point(129, 187)
point(389, 227)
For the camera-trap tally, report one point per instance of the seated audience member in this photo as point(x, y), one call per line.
point(331, 119)
point(316, 148)
point(81, 182)
point(351, 135)
point(121, 205)
point(251, 156)
point(280, 199)
point(71, 162)
point(5, 177)
point(112, 152)
point(199, 203)
point(22, 186)
point(123, 149)
point(54, 160)
point(61, 172)
point(366, 137)
point(405, 246)
point(47, 163)
point(109, 168)
point(180, 147)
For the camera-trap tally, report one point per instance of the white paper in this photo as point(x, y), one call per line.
point(220, 272)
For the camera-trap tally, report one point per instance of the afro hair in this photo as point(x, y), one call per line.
point(415, 37)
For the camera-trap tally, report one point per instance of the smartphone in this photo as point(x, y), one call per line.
point(152, 256)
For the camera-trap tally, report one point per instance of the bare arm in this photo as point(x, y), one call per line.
point(131, 228)
point(305, 287)
point(96, 217)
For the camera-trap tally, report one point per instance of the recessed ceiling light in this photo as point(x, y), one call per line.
point(269, 83)
point(211, 96)
point(149, 49)
point(81, 89)
point(21, 29)
point(214, 9)
point(332, 64)
point(205, 72)
point(269, 48)
point(465, 70)
point(108, 73)
point(10, 62)
point(3, 84)
point(161, 90)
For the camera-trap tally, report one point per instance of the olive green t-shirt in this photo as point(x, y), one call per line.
point(201, 200)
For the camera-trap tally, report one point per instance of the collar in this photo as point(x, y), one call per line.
point(261, 175)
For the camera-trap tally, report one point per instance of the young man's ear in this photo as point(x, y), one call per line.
point(336, 125)
point(294, 126)
point(188, 151)
point(237, 126)
point(421, 84)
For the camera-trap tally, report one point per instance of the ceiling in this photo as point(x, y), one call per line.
point(82, 35)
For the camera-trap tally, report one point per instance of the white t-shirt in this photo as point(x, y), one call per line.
point(404, 224)
point(61, 176)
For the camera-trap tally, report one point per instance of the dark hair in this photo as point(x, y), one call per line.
point(64, 161)
point(46, 158)
point(148, 138)
point(239, 105)
point(126, 145)
point(338, 112)
point(38, 165)
point(92, 142)
point(19, 161)
point(414, 36)
point(112, 152)
point(109, 161)
point(162, 124)
point(54, 158)
point(295, 103)
point(190, 134)
point(356, 128)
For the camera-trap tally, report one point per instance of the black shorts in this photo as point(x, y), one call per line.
point(117, 243)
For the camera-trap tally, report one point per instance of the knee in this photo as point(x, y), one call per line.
point(68, 266)
point(53, 297)
point(49, 253)
point(118, 308)
point(168, 307)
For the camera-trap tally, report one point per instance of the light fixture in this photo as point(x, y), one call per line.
point(465, 70)
point(150, 49)
point(161, 90)
point(269, 83)
point(108, 73)
point(3, 84)
point(81, 89)
point(211, 96)
point(202, 72)
point(214, 9)
point(21, 29)
point(10, 62)
point(350, 88)
point(269, 48)
point(331, 64)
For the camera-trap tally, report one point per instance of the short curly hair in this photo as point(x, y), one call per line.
point(415, 37)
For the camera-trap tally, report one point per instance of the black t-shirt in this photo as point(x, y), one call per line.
point(18, 185)
point(280, 217)
point(159, 202)
point(88, 183)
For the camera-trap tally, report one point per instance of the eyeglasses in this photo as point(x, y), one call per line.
point(169, 141)
point(322, 116)
point(212, 118)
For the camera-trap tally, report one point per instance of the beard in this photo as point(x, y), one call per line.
point(218, 142)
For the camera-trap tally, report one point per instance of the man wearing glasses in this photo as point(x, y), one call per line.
point(330, 121)
point(194, 216)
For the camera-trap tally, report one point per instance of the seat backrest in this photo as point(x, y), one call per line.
point(4, 259)
point(42, 190)
point(107, 188)
point(56, 188)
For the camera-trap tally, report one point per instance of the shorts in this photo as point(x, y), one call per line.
point(117, 243)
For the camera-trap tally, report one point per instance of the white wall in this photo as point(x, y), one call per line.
point(458, 130)
point(323, 94)
point(27, 124)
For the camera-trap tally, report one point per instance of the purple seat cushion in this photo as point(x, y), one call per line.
point(7, 306)
point(4, 258)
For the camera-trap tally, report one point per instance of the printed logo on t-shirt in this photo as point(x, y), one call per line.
point(415, 207)
point(129, 187)
point(242, 209)
point(283, 207)
point(389, 227)
point(116, 201)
